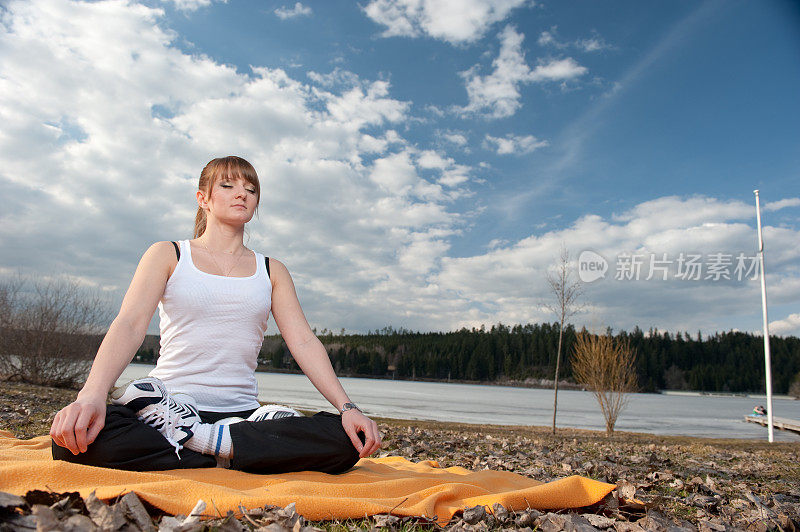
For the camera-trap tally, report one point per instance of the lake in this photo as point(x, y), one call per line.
point(672, 414)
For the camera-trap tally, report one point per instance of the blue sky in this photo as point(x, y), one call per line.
point(423, 162)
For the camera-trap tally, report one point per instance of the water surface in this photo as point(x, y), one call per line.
point(671, 414)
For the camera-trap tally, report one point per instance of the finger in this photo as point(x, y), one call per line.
point(369, 441)
point(351, 433)
point(377, 444)
point(57, 429)
point(370, 437)
point(84, 419)
point(376, 439)
point(368, 428)
point(95, 428)
point(54, 425)
point(68, 430)
point(54, 429)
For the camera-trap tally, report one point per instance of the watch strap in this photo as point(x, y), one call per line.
point(348, 406)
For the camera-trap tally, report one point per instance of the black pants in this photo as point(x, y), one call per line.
point(313, 443)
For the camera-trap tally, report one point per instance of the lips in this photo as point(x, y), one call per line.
point(242, 206)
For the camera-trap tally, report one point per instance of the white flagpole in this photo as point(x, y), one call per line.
point(767, 362)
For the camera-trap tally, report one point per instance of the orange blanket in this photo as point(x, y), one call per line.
point(373, 486)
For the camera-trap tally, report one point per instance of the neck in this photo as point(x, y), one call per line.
point(222, 239)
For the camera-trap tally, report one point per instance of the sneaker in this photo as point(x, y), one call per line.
point(171, 415)
point(273, 412)
point(139, 393)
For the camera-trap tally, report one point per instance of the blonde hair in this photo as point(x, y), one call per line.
point(231, 167)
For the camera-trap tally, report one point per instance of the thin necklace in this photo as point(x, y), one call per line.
point(217, 264)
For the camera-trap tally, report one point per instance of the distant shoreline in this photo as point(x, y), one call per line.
point(541, 384)
point(547, 385)
point(538, 384)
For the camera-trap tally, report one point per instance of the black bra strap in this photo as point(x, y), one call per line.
point(266, 261)
point(177, 250)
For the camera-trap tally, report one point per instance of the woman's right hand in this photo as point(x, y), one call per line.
point(77, 425)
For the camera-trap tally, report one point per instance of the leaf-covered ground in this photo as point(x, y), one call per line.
point(689, 483)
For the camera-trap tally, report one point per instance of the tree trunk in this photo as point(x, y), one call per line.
point(555, 382)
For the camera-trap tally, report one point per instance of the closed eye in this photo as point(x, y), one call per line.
point(251, 191)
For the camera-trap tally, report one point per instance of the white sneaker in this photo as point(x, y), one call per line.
point(139, 393)
point(273, 412)
point(172, 415)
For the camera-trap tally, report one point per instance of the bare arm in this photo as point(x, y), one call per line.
point(77, 425)
point(312, 358)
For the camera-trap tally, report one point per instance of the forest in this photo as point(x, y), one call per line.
point(724, 362)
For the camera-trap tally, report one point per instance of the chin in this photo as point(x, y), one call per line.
point(240, 220)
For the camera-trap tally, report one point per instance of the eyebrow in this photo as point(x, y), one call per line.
point(229, 180)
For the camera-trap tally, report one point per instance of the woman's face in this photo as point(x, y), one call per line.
point(232, 200)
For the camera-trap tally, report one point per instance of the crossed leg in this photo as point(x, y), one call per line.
point(312, 443)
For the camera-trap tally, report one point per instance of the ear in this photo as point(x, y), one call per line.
point(201, 200)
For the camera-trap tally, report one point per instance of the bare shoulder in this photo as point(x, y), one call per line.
point(163, 249)
point(161, 256)
point(278, 270)
point(273, 262)
point(147, 285)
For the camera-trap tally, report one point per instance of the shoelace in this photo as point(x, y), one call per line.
point(156, 417)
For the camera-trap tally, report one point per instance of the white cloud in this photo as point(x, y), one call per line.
point(452, 174)
point(589, 44)
point(299, 10)
point(191, 5)
point(395, 173)
point(497, 95)
point(431, 159)
point(423, 253)
point(107, 125)
point(674, 211)
point(491, 281)
point(456, 138)
point(434, 110)
point(455, 175)
point(359, 107)
point(337, 77)
point(789, 326)
point(556, 70)
point(514, 144)
point(453, 21)
point(782, 204)
point(546, 38)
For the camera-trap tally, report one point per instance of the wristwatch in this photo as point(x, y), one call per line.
point(348, 406)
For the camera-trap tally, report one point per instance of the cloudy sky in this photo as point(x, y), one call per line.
point(422, 161)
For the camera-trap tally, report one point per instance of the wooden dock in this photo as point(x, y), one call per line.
point(777, 422)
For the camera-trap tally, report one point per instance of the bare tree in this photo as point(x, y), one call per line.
point(49, 331)
point(566, 291)
point(607, 367)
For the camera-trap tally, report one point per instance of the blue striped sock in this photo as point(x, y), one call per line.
point(214, 439)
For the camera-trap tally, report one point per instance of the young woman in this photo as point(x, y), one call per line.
point(198, 408)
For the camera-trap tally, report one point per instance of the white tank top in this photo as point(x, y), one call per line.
point(212, 328)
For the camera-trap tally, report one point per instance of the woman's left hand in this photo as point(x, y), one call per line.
point(354, 422)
